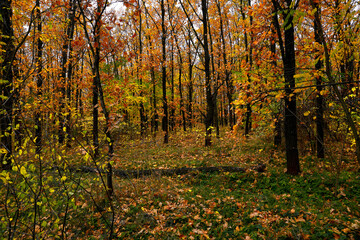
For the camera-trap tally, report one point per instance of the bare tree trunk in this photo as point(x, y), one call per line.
point(165, 120)
point(142, 109)
point(39, 80)
point(7, 56)
point(288, 56)
point(248, 48)
point(65, 74)
point(190, 83)
point(319, 88)
point(210, 106)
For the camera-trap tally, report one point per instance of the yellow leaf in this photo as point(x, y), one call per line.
point(23, 170)
point(306, 113)
point(63, 178)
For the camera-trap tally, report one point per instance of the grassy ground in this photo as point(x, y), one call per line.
point(321, 203)
point(318, 204)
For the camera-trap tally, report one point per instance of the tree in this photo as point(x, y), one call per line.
point(288, 57)
point(7, 57)
point(165, 120)
point(66, 72)
point(319, 97)
point(349, 119)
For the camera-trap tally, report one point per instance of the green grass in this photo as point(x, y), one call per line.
point(320, 203)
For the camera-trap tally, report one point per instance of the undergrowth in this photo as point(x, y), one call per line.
point(320, 203)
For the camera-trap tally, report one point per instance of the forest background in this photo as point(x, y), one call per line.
point(208, 92)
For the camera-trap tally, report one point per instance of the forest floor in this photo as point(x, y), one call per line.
point(323, 202)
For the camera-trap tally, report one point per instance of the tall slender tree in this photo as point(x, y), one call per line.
point(165, 120)
point(7, 56)
point(287, 48)
point(319, 97)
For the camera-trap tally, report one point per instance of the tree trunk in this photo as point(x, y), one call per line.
point(248, 48)
point(142, 108)
point(39, 80)
point(288, 57)
point(319, 98)
point(165, 120)
point(190, 82)
point(292, 155)
point(182, 110)
point(65, 75)
point(172, 104)
point(210, 106)
point(7, 56)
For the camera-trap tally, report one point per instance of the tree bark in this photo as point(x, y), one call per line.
point(7, 56)
point(319, 98)
point(39, 80)
point(210, 106)
point(165, 120)
point(142, 108)
point(65, 75)
point(288, 57)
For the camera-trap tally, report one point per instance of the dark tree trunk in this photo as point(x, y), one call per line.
point(96, 82)
point(288, 56)
point(182, 110)
point(39, 80)
point(6, 73)
point(210, 106)
point(248, 48)
point(228, 80)
point(172, 104)
point(142, 108)
point(319, 98)
point(292, 155)
point(70, 70)
point(65, 75)
point(165, 120)
point(155, 117)
point(190, 83)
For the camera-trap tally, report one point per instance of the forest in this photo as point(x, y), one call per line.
point(179, 119)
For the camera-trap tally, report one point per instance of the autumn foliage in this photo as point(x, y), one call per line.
point(91, 86)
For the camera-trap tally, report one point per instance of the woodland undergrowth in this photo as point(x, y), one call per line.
point(42, 202)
